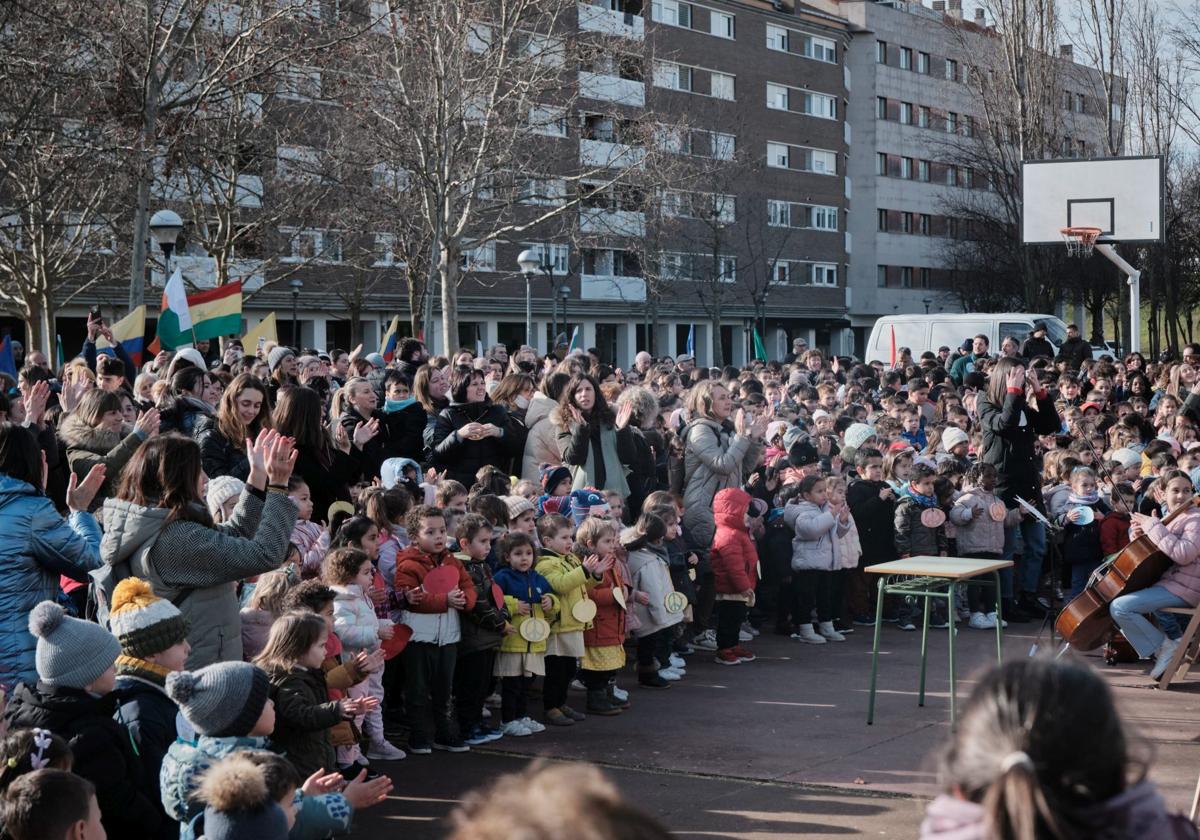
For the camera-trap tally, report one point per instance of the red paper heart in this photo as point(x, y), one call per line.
point(398, 642)
point(498, 596)
point(441, 580)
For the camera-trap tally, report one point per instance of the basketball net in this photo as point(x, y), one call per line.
point(1080, 240)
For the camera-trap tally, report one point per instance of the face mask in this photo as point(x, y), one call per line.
point(522, 401)
point(398, 405)
point(491, 387)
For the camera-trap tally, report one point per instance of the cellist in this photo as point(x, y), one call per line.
point(1179, 540)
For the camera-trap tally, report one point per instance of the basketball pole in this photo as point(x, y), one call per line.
point(1133, 278)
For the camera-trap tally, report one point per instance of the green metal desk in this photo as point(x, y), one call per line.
point(932, 577)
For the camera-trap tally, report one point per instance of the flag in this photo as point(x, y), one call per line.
point(62, 357)
point(574, 338)
point(893, 362)
point(478, 348)
point(175, 321)
point(387, 347)
point(760, 352)
point(216, 312)
point(265, 330)
point(7, 363)
point(130, 333)
point(691, 342)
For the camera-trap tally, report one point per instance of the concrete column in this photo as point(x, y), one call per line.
point(587, 335)
point(669, 347)
point(704, 345)
point(488, 334)
point(319, 335)
point(539, 336)
point(626, 344)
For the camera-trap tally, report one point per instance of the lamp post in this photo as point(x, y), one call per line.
point(763, 323)
point(165, 227)
point(564, 294)
point(297, 284)
point(927, 302)
point(530, 263)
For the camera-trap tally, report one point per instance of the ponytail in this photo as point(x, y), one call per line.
point(1015, 806)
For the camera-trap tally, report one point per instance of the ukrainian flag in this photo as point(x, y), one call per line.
point(130, 333)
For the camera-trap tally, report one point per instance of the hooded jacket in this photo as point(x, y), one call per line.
point(541, 439)
point(714, 458)
point(149, 715)
point(88, 446)
point(608, 627)
point(733, 558)
point(913, 538)
point(433, 620)
point(197, 567)
point(38, 546)
point(649, 572)
point(462, 457)
point(1180, 540)
point(102, 749)
point(816, 545)
point(354, 619)
point(977, 532)
point(182, 415)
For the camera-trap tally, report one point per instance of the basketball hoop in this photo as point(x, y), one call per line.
point(1080, 240)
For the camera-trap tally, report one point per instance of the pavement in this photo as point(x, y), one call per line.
point(780, 747)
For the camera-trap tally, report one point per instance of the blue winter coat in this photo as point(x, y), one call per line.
point(36, 546)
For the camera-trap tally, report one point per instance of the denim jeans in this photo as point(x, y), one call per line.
point(1029, 571)
point(1129, 611)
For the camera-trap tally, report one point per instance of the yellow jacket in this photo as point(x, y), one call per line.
point(515, 642)
point(570, 582)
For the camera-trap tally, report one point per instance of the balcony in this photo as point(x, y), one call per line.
point(607, 22)
point(600, 153)
point(612, 89)
point(201, 273)
point(601, 220)
point(601, 287)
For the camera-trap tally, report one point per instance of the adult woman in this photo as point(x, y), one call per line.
point(94, 433)
point(471, 432)
point(594, 443)
point(213, 388)
point(354, 405)
point(38, 545)
point(430, 386)
point(514, 393)
point(1014, 411)
point(242, 413)
point(541, 438)
point(184, 404)
point(158, 529)
point(327, 469)
point(648, 442)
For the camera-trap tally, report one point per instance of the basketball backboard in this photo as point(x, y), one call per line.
point(1121, 196)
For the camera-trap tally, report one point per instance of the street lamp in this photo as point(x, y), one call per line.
point(165, 227)
point(530, 263)
point(564, 294)
point(297, 284)
point(927, 301)
point(763, 303)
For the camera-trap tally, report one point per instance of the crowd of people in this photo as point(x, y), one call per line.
point(235, 583)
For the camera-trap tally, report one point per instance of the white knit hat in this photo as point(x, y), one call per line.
point(1127, 457)
point(220, 490)
point(953, 436)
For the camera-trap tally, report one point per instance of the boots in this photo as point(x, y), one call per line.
point(611, 692)
point(598, 703)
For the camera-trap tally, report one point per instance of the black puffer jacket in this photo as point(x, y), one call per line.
point(462, 457)
point(102, 749)
point(1010, 434)
point(304, 714)
point(218, 453)
point(182, 415)
point(1074, 351)
point(150, 716)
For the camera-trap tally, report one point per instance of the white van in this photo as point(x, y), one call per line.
point(929, 332)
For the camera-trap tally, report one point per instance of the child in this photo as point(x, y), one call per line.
point(526, 595)
point(556, 491)
point(675, 668)
point(261, 611)
point(872, 503)
point(527, 489)
point(387, 509)
point(604, 640)
point(734, 561)
point(76, 671)
point(913, 429)
point(482, 628)
point(650, 575)
point(1180, 584)
point(849, 554)
point(915, 538)
point(1114, 530)
point(221, 496)
point(54, 804)
point(451, 495)
point(434, 618)
point(521, 516)
point(308, 536)
point(897, 467)
point(616, 506)
point(27, 750)
point(981, 536)
point(350, 574)
point(1081, 530)
point(153, 637)
point(570, 578)
point(815, 555)
point(239, 804)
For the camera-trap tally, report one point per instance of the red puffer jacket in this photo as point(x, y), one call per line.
point(734, 558)
point(608, 627)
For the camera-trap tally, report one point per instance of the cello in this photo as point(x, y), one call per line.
point(1085, 623)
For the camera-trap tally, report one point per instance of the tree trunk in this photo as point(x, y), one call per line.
point(448, 274)
point(141, 208)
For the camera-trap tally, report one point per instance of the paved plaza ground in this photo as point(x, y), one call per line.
point(780, 747)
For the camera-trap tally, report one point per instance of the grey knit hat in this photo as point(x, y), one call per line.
point(222, 700)
point(517, 505)
point(857, 434)
point(277, 355)
point(70, 653)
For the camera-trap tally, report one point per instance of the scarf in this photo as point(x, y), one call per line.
point(390, 406)
point(922, 500)
point(614, 470)
point(131, 666)
point(1089, 500)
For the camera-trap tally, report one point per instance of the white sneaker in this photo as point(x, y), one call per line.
point(992, 616)
point(807, 635)
point(516, 729)
point(670, 675)
point(827, 630)
point(384, 751)
point(576, 685)
point(620, 693)
point(532, 725)
point(982, 621)
point(678, 661)
point(706, 640)
point(743, 636)
point(747, 627)
point(1162, 657)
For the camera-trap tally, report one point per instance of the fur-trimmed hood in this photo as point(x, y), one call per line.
point(77, 434)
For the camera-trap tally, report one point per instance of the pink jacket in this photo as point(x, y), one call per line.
point(1181, 542)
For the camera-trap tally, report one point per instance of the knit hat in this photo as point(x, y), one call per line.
point(376, 360)
point(70, 653)
point(277, 355)
point(517, 505)
point(1127, 457)
point(192, 355)
point(794, 435)
point(552, 476)
point(583, 502)
point(968, 345)
point(144, 623)
point(222, 700)
point(952, 437)
point(820, 414)
point(802, 453)
point(220, 490)
point(858, 434)
point(238, 804)
point(776, 428)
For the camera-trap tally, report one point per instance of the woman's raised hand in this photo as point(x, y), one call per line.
point(148, 422)
point(81, 494)
point(624, 415)
point(739, 422)
point(364, 432)
point(281, 460)
point(1016, 378)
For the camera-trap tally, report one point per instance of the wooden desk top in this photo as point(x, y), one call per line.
point(957, 568)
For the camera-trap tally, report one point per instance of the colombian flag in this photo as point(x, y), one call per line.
point(130, 333)
point(387, 348)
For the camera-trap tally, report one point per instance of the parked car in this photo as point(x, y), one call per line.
point(921, 332)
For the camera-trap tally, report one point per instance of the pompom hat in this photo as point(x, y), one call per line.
point(70, 653)
point(143, 623)
point(223, 700)
point(238, 805)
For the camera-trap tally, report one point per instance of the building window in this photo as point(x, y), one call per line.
point(673, 13)
point(782, 271)
point(824, 274)
point(926, 224)
point(821, 49)
point(925, 278)
point(951, 122)
point(778, 155)
point(906, 113)
point(923, 116)
point(881, 107)
point(923, 63)
point(923, 170)
point(548, 120)
point(779, 213)
point(906, 277)
point(881, 51)
point(551, 254)
point(906, 222)
point(906, 55)
point(777, 97)
point(881, 220)
point(723, 145)
point(481, 258)
point(777, 38)
point(822, 162)
point(951, 176)
point(906, 169)
point(1080, 103)
point(720, 24)
point(951, 70)
point(881, 276)
point(721, 86)
point(881, 164)
point(823, 218)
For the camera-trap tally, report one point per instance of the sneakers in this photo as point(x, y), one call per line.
point(805, 633)
point(678, 661)
point(1162, 657)
point(670, 674)
point(982, 621)
point(992, 616)
point(384, 751)
point(938, 622)
point(555, 717)
point(477, 736)
point(747, 627)
point(576, 685)
point(516, 729)
point(864, 620)
point(455, 745)
point(727, 657)
point(745, 636)
point(743, 654)
point(419, 748)
point(826, 629)
point(620, 694)
point(706, 640)
point(532, 725)
point(906, 625)
point(571, 713)
point(492, 701)
point(653, 680)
